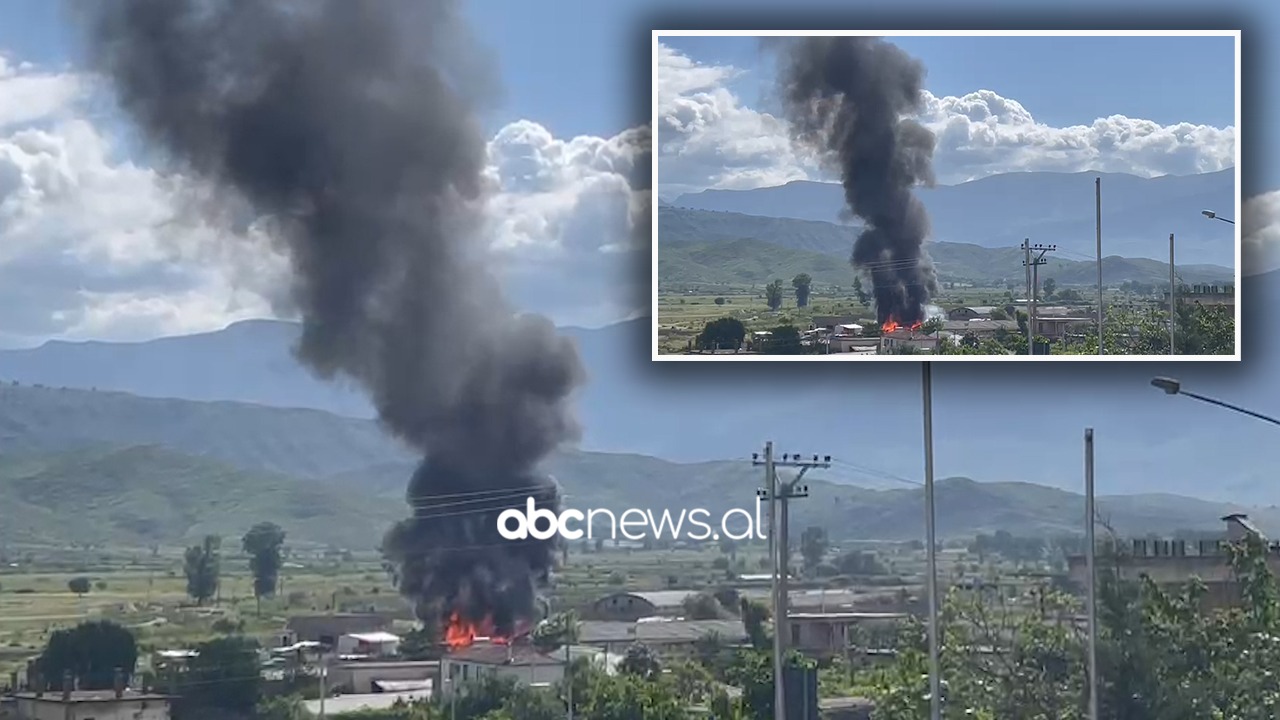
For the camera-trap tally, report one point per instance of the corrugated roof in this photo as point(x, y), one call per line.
point(676, 631)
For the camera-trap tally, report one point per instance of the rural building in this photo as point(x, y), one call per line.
point(120, 704)
point(341, 704)
point(362, 677)
point(824, 635)
point(327, 628)
point(907, 340)
point(668, 637)
point(1224, 295)
point(1174, 562)
point(520, 661)
point(852, 344)
point(1059, 327)
point(979, 328)
point(374, 644)
point(971, 313)
point(635, 605)
point(831, 322)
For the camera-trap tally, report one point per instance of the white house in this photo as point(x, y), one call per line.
point(90, 705)
point(371, 644)
point(523, 662)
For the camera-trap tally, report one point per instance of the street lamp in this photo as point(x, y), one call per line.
point(1174, 387)
point(1214, 216)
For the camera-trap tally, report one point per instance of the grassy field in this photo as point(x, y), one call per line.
point(146, 592)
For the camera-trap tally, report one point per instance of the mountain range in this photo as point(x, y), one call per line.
point(703, 247)
point(1000, 211)
point(107, 468)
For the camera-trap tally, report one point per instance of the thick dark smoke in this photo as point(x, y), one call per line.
point(350, 125)
point(847, 98)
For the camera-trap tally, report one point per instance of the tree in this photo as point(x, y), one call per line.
point(773, 295)
point(784, 340)
point(202, 567)
point(420, 643)
point(79, 585)
point(1049, 286)
point(931, 326)
point(754, 616)
point(556, 631)
point(722, 334)
point(998, 314)
point(858, 292)
point(719, 301)
point(263, 543)
point(813, 546)
point(223, 675)
point(91, 652)
point(641, 662)
point(704, 606)
point(803, 285)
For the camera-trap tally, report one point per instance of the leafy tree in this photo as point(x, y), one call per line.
point(931, 326)
point(79, 585)
point(859, 562)
point(420, 644)
point(863, 298)
point(556, 631)
point(754, 616)
point(704, 606)
point(813, 546)
point(640, 661)
point(773, 295)
point(784, 340)
point(999, 314)
point(1049, 286)
point(722, 333)
point(719, 301)
point(263, 543)
point(289, 707)
point(803, 285)
point(91, 651)
point(223, 675)
point(203, 567)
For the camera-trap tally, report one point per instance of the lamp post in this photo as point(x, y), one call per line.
point(1174, 387)
point(1214, 216)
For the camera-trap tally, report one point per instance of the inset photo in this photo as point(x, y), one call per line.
point(951, 195)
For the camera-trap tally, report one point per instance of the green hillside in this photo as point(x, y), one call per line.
point(136, 496)
point(114, 469)
point(717, 248)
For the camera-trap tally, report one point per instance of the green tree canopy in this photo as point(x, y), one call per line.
point(91, 652)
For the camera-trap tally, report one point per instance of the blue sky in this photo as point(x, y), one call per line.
point(575, 68)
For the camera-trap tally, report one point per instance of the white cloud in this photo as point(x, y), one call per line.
point(709, 139)
point(1260, 231)
point(92, 246)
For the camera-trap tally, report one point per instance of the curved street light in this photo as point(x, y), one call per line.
point(1174, 387)
point(1214, 216)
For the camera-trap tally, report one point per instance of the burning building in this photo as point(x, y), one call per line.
point(849, 99)
point(345, 130)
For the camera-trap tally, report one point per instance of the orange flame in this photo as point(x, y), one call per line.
point(460, 633)
point(891, 325)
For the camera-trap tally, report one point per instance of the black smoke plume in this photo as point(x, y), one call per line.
point(350, 125)
point(847, 98)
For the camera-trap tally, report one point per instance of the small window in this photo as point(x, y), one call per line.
point(795, 634)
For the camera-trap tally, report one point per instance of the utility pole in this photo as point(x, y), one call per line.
point(324, 671)
point(778, 494)
point(1091, 580)
point(1173, 306)
point(1097, 199)
point(1034, 261)
point(931, 554)
point(1026, 263)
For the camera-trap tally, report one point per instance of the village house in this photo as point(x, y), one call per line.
point(1173, 562)
point(328, 627)
point(377, 676)
point(824, 635)
point(519, 661)
point(971, 313)
point(372, 644)
point(119, 703)
point(904, 340)
point(668, 637)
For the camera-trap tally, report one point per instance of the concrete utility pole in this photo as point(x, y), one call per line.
point(1034, 261)
point(931, 554)
point(778, 494)
point(1173, 303)
point(1097, 199)
point(1091, 580)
